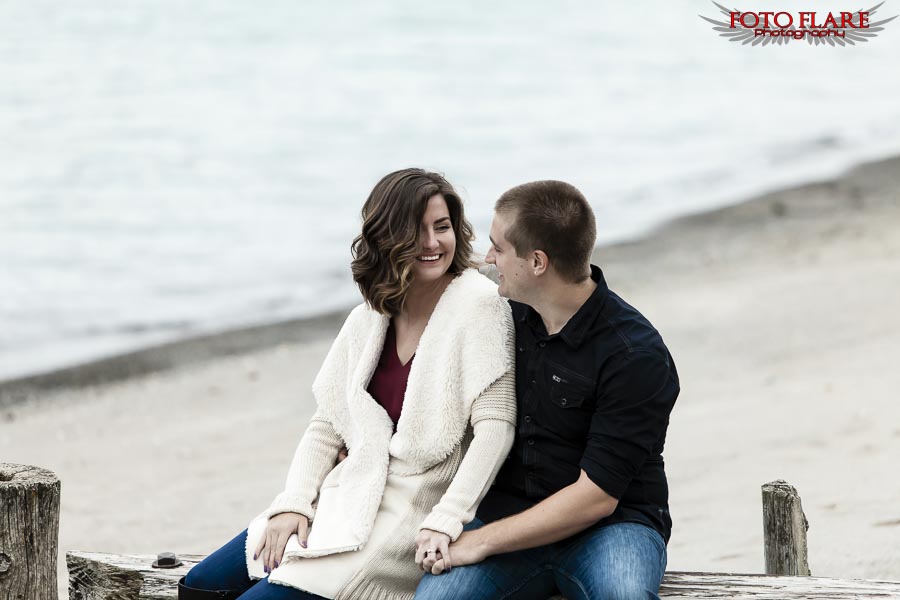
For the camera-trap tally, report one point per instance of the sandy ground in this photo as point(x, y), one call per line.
point(781, 316)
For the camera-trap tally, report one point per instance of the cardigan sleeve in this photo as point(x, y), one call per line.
point(314, 458)
point(493, 418)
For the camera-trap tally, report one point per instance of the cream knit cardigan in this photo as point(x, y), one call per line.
point(464, 349)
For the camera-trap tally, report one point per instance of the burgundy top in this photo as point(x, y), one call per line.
point(388, 383)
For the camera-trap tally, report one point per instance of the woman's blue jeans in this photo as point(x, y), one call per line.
point(226, 569)
point(622, 561)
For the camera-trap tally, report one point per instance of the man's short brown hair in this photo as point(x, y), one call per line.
point(555, 217)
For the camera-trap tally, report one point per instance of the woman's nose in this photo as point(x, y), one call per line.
point(430, 240)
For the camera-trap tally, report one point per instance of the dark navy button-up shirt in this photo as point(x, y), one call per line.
point(595, 396)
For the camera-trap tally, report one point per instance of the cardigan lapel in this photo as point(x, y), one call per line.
point(364, 409)
point(461, 352)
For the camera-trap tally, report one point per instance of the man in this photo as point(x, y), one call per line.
point(581, 504)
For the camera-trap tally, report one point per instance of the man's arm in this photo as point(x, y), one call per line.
point(630, 417)
point(567, 512)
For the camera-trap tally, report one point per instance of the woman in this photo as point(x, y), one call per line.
point(419, 387)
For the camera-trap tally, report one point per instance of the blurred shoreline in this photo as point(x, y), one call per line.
point(241, 340)
point(170, 355)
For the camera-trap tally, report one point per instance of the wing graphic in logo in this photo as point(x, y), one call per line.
point(848, 35)
point(851, 35)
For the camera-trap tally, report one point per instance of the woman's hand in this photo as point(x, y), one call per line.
point(430, 547)
point(278, 530)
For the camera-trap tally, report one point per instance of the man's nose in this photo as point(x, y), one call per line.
point(489, 257)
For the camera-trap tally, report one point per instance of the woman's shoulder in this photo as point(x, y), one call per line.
point(361, 318)
point(474, 301)
point(475, 290)
point(479, 319)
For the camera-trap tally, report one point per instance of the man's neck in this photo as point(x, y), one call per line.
point(561, 301)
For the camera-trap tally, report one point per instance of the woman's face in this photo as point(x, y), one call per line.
point(437, 242)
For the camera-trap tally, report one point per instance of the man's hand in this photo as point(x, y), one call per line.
point(278, 530)
point(467, 550)
point(567, 512)
point(431, 546)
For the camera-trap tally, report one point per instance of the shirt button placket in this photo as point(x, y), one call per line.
point(528, 429)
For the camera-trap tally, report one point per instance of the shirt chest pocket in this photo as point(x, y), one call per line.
point(568, 390)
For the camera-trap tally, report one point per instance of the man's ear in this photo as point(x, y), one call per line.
point(540, 262)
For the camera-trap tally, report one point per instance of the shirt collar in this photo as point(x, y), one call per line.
point(577, 327)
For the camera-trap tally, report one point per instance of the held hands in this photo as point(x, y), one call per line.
point(278, 530)
point(432, 546)
point(466, 551)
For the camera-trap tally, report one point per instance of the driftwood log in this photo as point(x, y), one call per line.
point(94, 576)
point(29, 532)
point(784, 530)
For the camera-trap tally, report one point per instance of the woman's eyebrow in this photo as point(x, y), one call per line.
point(441, 220)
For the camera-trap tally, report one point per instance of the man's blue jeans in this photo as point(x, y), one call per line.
point(226, 569)
point(622, 561)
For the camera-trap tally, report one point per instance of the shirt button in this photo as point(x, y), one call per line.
point(521, 349)
point(528, 418)
point(533, 382)
point(542, 344)
point(563, 401)
point(531, 442)
point(530, 474)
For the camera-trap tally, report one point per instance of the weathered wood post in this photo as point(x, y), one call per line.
point(29, 532)
point(784, 530)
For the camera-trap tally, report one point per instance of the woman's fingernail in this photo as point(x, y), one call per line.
point(276, 564)
point(303, 544)
point(254, 557)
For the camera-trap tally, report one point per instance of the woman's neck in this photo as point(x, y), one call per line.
point(421, 298)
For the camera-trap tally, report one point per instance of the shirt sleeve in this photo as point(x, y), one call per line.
point(314, 458)
point(630, 418)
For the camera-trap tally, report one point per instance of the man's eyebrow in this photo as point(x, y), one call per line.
point(493, 242)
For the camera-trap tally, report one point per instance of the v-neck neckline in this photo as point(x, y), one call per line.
point(392, 331)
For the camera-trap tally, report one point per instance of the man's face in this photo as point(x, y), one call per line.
point(514, 274)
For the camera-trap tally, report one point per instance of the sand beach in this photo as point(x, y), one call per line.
point(780, 312)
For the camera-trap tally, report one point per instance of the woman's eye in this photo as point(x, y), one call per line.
point(443, 228)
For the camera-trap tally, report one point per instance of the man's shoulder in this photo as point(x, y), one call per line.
point(628, 324)
point(519, 310)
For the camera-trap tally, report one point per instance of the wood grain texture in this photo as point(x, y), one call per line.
point(96, 576)
point(784, 530)
point(29, 534)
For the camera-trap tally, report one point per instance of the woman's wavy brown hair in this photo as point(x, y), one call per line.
point(385, 251)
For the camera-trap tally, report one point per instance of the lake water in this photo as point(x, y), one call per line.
point(171, 168)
